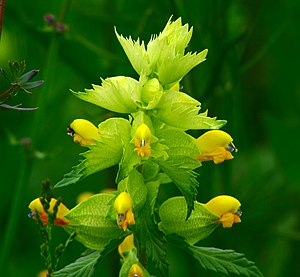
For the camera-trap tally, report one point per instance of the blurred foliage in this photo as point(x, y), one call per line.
point(251, 78)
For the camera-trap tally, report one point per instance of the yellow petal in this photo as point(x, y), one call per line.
point(84, 132)
point(126, 245)
point(222, 204)
point(123, 202)
point(142, 139)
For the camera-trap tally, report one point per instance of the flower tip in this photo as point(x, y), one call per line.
point(142, 139)
point(123, 205)
point(84, 132)
point(136, 271)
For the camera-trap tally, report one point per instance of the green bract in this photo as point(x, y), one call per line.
point(173, 220)
point(151, 148)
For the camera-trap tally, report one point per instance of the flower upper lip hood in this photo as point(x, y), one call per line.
point(215, 145)
point(36, 207)
point(142, 139)
point(136, 271)
point(227, 208)
point(84, 132)
point(123, 205)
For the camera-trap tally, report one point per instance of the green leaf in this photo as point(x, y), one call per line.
point(85, 265)
point(82, 267)
point(178, 66)
point(152, 243)
point(225, 261)
point(153, 188)
point(198, 226)
point(185, 180)
point(181, 147)
point(116, 94)
point(90, 222)
point(180, 110)
point(136, 53)
point(108, 151)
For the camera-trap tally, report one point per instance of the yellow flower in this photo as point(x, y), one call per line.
point(136, 271)
point(142, 140)
point(36, 207)
point(83, 132)
point(227, 208)
point(123, 205)
point(126, 246)
point(43, 273)
point(215, 145)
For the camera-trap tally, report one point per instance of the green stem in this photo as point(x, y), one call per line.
point(14, 212)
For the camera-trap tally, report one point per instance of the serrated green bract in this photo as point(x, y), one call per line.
point(169, 46)
point(182, 111)
point(225, 261)
point(173, 220)
point(181, 147)
point(134, 185)
point(108, 151)
point(116, 94)
point(184, 179)
point(90, 222)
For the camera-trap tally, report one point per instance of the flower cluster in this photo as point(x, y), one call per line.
point(151, 148)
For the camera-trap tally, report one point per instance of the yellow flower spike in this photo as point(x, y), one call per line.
point(227, 208)
point(36, 207)
point(215, 145)
point(136, 271)
point(126, 246)
point(142, 140)
point(123, 205)
point(84, 132)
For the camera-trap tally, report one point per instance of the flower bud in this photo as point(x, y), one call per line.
point(84, 132)
point(215, 145)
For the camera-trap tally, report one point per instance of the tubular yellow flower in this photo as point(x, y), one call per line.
point(123, 205)
point(136, 271)
point(215, 145)
point(126, 246)
point(142, 140)
point(227, 208)
point(83, 132)
point(36, 207)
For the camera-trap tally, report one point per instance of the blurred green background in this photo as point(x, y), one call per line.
point(251, 78)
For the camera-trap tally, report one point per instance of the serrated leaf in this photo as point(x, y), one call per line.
point(116, 94)
point(225, 261)
point(85, 265)
point(108, 151)
point(178, 66)
point(152, 243)
point(136, 53)
point(185, 180)
point(129, 160)
point(90, 222)
point(180, 110)
point(198, 226)
point(153, 188)
point(82, 267)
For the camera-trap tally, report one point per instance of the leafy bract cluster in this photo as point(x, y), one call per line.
point(150, 148)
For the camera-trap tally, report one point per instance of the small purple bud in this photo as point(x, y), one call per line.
point(60, 27)
point(50, 19)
